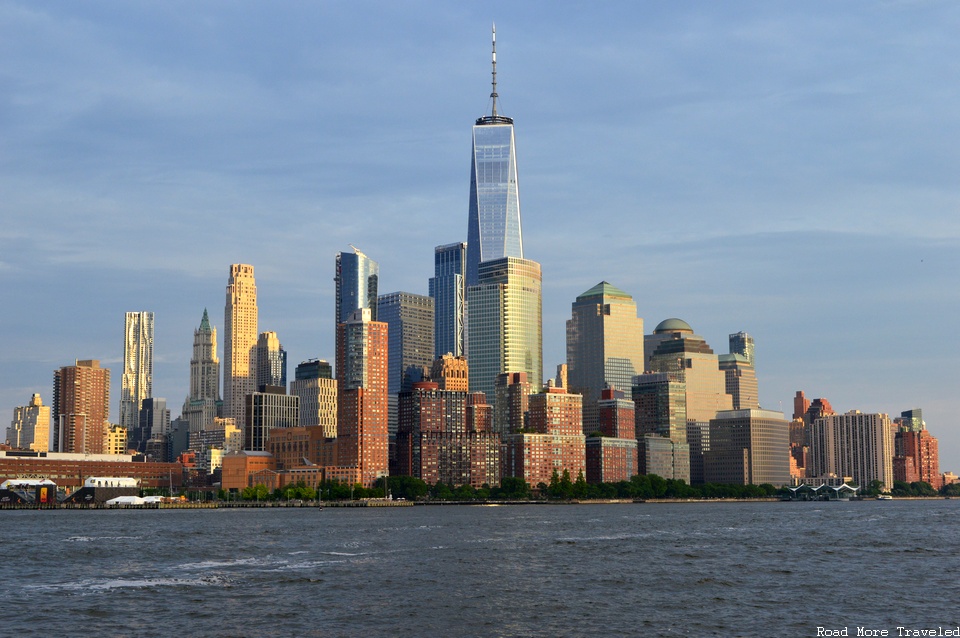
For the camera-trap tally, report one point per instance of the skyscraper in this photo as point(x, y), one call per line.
point(362, 436)
point(200, 407)
point(271, 361)
point(494, 227)
point(409, 318)
point(357, 280)
point(852, 444)
point(604, 346)
point(317, 389)
point(154, 424)
point(674, 349)
point(136, 383)
point(239, 342)
point(449, 292)
point(504, 324)
point(81, 407)
point(30, 428)
point(741, 343)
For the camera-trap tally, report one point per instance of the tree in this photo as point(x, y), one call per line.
point(580, 487)
point(512, 487)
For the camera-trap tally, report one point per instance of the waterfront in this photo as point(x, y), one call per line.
point(752, 569)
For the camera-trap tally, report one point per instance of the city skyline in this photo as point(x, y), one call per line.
point(765, 177)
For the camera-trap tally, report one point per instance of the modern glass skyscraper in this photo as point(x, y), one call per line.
point(741, 343)
point(494, 227)
point(604, 346)
point(357, 278)
point(449, 292)
point(504, 317)
point(136, 383)
point(271, 361)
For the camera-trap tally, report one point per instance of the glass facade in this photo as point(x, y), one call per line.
point(504, 314)
point(604, 346)
point(494, 226)
point(449, 292)
point(357, 279)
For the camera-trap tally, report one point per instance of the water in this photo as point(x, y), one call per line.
point(723, 569)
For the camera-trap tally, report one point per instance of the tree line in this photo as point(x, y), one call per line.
point(560, 488)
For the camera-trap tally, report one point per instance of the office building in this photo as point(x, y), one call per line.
point(450, 372)
point(504, 323)
point(748, 447)
point(911, 420)
point(268, 408)
point(239, 342)
point(675, 350)
point(742, 344)
point(154, 423)
point(854, 444)
point(741, 381)
point(449, 292)
point(604, 346)
point(362, 391)
point(357, 279)
point(660, 402)
point(271, 361)
point(494, 223)
point(81, 407)
point(30, 428)
point(317, 389)
point(116, 440)
point(409, 318)
point(136, 382)
point(202, 404)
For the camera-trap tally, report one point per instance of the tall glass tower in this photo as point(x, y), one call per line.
point(504, 317)
point(494, 227)
point(449, 296)
point(357, 281)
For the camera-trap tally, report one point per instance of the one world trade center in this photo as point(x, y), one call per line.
point(494, 229)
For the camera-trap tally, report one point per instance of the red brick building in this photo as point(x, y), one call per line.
point(554, 439)
point(612, 457)
point(446, 436)
point(70, 470)
point(362, 396)
point(917, 459)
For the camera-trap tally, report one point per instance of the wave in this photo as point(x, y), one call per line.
point(107, 584)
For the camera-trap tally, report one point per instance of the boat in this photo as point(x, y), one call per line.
point(884, 497)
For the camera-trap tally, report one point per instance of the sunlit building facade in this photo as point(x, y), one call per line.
point(853, 444)
point(604, 346)
point(239, 341)
point(136, 382)
point(504, 323)
point(81, 407)
point(30, 428)
point(357, 279)
point(201, 405)
point(362, 396)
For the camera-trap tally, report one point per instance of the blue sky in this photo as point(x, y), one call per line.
point(786, 170)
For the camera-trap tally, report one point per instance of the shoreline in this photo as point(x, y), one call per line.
point(398, 503)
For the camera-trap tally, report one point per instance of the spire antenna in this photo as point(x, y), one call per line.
point(493, 95)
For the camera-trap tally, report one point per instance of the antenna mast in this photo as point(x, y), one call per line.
point(493, 95)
